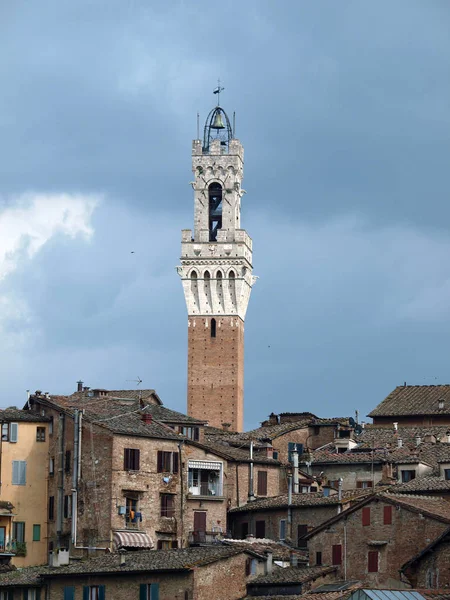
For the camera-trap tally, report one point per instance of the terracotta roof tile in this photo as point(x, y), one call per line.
point(311, 499)
point(414, 400)
point(292, 575)
point(15, 414)
point(422, 484)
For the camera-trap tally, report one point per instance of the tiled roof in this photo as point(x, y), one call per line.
point(292, 575)
point(443, 536)
point(328, 455)
point(221, 446)
point(116, 417)
point(185, 559)
point(373, 436)
point(431, 506)
point(132, 394)
point(443, 594)
point(21, 577)
point(280, 551)
point(422, 484)
point(15, 414)
point(268, 433)
point(165, 415)
point(414, 400)
point(311, 499)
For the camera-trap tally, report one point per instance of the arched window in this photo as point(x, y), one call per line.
point(193, 274)
point(207, 275)
point(231, 275)
point(215, 210)
point(213, 328)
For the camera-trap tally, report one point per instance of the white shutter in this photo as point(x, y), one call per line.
point(13, 432)
point(23, 472)
point(15, 472)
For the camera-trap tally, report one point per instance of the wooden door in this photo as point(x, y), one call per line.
point(199, 522)
point(301, 531)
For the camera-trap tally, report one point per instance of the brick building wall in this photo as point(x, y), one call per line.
point(351, 474)
point(216, 371)
point(238, 475)
point(432, 571)
point(311, 516)
point(396, 543)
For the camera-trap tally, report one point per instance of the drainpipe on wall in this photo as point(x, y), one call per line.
point(289, 519)
point(60, 490)
point(251, 493)
point(295, 461)
point(340, 482)
point(345, 549)
point(76, 444)
point(180, 462)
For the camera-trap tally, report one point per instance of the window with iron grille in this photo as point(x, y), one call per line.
point(167, 505)
point(131, 459)
point(67, 507)
point(40, 434)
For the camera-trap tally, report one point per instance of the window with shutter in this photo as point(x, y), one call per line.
point(131, 459)
point(262, 483)
point(13, 432)
point(167, 462)
point(372, 560)
point(319, 559)
point(19, 472)
point(51, 508)
point(69, 592)
point(282, 529)
point(19, 531)
point(36, 533)
point(167, 505)
point(366, 515)
point(67, 461)
point(336, 555)
point(387, 515)
point(40, 434)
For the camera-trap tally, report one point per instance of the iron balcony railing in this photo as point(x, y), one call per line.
point(206, 489)
point(205, 537)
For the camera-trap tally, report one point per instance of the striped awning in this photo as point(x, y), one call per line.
point(205, 464)
point(132, 539)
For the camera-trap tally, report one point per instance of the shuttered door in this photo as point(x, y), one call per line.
point(301, 531)
point(199, 521)
point(372, 560)
point(336, 554)
point(262, 483)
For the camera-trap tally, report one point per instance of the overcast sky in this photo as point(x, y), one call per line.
point(343, 111)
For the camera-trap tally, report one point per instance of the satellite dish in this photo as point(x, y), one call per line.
point(351, 420)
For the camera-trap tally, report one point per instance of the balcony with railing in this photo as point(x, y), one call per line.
point(205, 480)
point(13, 548)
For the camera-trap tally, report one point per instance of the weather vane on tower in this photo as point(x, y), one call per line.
point(217, 91)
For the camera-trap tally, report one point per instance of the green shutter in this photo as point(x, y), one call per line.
point(69, 592)
point(10, 594)
point(38, 594)
point(36, 533)
point(101, 592)
point(85, 592)
point(154, 591)
point(143, 591)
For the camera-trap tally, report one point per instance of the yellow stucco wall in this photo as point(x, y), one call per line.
point(29, 500)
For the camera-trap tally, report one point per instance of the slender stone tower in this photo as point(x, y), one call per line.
point(216, 270)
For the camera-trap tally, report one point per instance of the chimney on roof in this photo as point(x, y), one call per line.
point(79, 386)
point(395, 426)
point(293, 559)
point(147, 418)
point(418, 440)
point(226, 426)
point(399, 442)
point(38, 392)
point(363, 424)
point(269, 562)
point(122, 553)
point(273, 419)
point(404, 385)
point(86, 388)
point(441, 405)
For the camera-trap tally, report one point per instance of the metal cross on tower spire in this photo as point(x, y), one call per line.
point(217, 91)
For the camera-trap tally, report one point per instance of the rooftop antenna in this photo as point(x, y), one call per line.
point(217, 91)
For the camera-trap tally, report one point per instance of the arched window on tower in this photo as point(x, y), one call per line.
point(215, 210)
point(193, 274)
point(219, 275)
point(231, 275)
point(213, 328)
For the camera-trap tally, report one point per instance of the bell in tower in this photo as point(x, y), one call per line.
point(216, 271)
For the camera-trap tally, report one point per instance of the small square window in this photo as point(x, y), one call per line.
point(40, 434)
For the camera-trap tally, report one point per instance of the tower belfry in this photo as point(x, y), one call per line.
point(216, 271)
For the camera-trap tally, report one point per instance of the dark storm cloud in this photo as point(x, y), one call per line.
point(342, 109)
